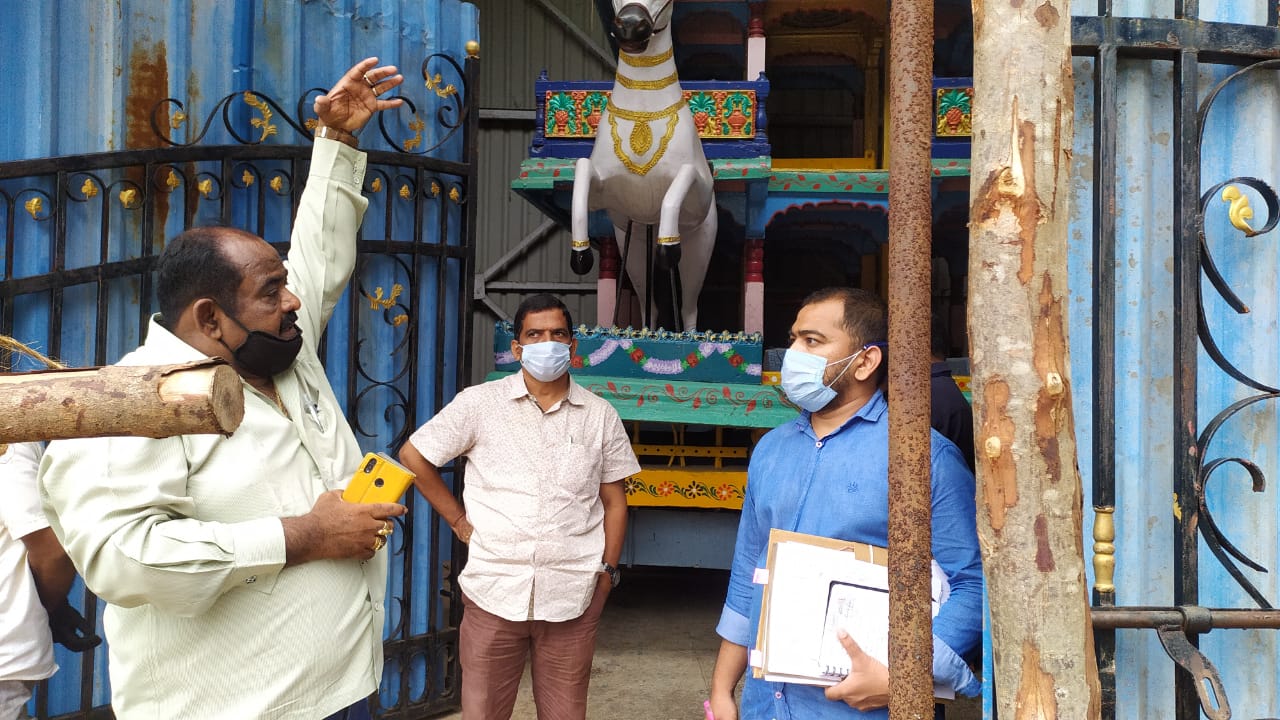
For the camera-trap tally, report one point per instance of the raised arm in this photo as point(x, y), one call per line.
point(322, 253)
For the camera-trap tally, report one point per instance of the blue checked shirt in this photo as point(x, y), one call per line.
point(838, 487)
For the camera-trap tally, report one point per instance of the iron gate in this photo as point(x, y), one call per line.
point(1207, 62)
point(81, 237)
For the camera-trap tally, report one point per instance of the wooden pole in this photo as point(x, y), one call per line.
point(1029, 491)
point(910, 199)
point(146, 401)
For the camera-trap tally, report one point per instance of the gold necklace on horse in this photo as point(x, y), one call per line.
point(641, 139)
point(646, 61)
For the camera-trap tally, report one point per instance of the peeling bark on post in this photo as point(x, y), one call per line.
point(1029, 490)
point(145, 401)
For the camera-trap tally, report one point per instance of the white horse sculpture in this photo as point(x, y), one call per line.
point(647, 164)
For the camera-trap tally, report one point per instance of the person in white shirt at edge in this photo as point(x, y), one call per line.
point(239, 583)
point(35, 576)
point(544, 518)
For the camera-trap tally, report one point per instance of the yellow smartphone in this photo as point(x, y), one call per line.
point(379, 479)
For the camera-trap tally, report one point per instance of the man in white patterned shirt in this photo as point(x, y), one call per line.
point(239, 584)
point(544, 518)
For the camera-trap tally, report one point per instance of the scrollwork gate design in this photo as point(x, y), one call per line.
point(1191, 44)
point(81, 237)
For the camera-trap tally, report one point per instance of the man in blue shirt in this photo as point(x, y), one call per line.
point(826, 474)
point(949, 413)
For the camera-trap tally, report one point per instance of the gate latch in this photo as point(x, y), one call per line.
point(1213, 697)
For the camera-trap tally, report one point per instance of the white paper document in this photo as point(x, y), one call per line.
point(812, 592)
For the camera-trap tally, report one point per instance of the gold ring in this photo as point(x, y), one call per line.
point(387, 528)
point(372, 84)
point(378, 543)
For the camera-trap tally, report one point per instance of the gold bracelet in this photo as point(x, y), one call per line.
point(332, 133)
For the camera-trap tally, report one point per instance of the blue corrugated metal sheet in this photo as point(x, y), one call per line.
point(88, 77)
point(1240, 138)
point(89, 74)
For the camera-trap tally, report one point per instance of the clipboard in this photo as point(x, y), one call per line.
point(813, 579)
point(862, 551)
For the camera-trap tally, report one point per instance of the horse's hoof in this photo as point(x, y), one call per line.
point(669, 256)
point(581, 261)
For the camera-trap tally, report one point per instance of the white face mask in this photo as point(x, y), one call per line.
point(545, 361)
point(803, 374)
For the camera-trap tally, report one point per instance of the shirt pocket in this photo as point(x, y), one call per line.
point(580, 469)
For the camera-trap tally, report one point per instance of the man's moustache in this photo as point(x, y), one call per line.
point(290, 322)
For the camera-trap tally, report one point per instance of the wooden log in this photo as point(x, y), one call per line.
point(146, 401)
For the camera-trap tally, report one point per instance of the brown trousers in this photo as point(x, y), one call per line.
point(493, 652)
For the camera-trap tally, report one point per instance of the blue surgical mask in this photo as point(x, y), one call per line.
point(802, 378)
point(545, 361)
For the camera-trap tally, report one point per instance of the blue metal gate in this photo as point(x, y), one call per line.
point(1174, 384)
point(81, 233)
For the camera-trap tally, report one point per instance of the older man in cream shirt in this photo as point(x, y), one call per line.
point(239, 584)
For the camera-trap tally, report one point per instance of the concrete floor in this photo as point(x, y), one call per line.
point(656, 648)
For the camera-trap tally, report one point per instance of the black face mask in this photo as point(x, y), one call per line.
point(263, 354)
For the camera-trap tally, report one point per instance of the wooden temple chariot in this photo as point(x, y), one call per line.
point(790, 102)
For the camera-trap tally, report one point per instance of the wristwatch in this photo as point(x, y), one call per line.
point(615, 575)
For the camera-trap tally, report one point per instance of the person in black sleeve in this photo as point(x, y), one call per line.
point(950, 413)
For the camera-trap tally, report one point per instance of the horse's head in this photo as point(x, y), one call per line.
point(636, 21)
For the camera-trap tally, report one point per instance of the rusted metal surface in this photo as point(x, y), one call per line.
point(910, 622)
point(1154, 617)
point(1205, 682)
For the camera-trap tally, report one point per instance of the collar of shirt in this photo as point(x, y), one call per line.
point(871, 411)
point(939, 369)
point(515, 389)
point(159, 338)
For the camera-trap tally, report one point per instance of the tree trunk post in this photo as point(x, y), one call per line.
point(1029, 488)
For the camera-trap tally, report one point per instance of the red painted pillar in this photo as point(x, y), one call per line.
point(607, 282)
point(753, 286)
